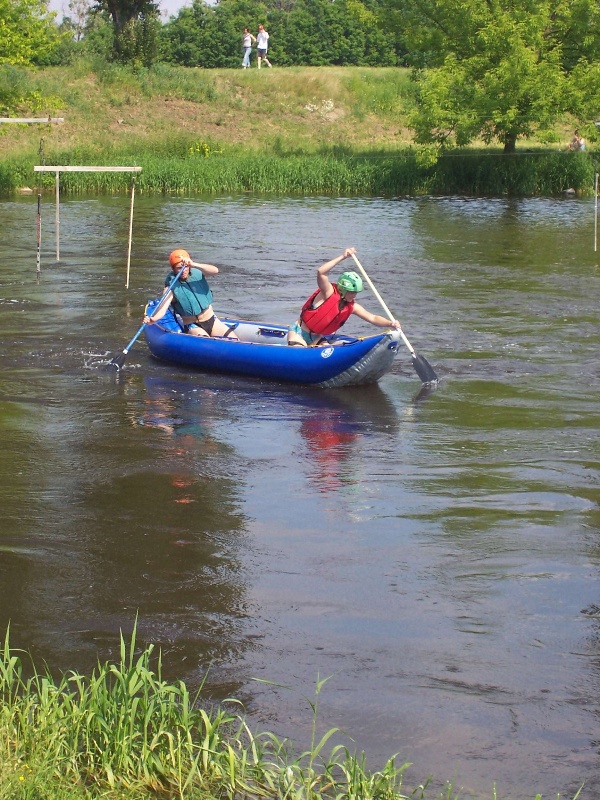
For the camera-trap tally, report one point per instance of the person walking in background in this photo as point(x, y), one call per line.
point(262, 45)
point(577, 142)
point(247, 40)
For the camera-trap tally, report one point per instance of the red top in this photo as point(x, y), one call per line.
point(327, 317)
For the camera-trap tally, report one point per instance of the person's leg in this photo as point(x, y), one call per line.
point(195, 330)
point(221, 329)
point(296, 336)
point(294, 340)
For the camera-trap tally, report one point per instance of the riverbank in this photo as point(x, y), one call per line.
point(295, 131)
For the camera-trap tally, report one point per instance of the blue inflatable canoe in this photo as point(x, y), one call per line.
point(262, 352)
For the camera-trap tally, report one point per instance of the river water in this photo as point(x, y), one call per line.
point(433, 555)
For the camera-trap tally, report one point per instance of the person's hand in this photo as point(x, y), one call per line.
point(349, 251)
point(148, 320)
point(395, 325)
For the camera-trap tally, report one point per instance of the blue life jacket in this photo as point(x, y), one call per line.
point(192, 296)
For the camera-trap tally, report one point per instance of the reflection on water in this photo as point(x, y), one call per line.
point(430, 549)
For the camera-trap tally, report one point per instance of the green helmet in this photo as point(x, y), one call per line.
point(349, 282)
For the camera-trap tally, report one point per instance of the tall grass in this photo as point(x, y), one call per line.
point(334, 131)
point(184, 166)
point(124, 729)
point(125, 732)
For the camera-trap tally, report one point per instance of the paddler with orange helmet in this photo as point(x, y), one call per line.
point(191, 297)
point(327, 309)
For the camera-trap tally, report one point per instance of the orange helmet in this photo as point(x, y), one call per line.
point(178, 256)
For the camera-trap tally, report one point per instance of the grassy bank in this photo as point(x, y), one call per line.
point(124, 732)
point(336, 131)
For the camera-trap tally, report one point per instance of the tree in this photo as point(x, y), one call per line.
point(78, 17)
point(27, 31)
point(302, 33)
point(209, 36)
point(498, 70)
point(136, 27)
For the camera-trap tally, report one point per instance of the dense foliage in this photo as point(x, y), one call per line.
point(135, 27)
point(302, 32)
point(27, 31)
point(494, 72)
point(28, 35)
point(499, 70)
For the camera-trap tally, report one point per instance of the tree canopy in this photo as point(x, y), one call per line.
point(497, 70)
point(135, 29)
point(302, 32)
point(27, 31)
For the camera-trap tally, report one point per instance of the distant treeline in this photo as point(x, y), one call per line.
point(302, 33)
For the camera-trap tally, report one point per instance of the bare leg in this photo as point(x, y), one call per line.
point(196, 330)
point(295, 340)
point(221, 329)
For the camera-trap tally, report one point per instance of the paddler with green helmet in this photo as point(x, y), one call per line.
point(328, 308)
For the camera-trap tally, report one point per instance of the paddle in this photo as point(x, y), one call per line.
point(422, 367)
point(119, 360)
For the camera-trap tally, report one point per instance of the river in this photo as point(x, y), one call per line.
point(435, 555)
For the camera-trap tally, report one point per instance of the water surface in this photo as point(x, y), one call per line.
point(432, 554)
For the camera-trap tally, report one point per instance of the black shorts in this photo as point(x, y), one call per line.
point(206, 324)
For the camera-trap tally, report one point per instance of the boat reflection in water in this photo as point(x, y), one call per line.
point(333, 423)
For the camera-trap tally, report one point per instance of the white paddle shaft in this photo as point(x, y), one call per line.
point(381, 300)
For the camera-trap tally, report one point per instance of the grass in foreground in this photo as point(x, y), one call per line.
point(124, 732)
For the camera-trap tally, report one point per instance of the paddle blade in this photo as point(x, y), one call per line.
point(424, 369)
point(118, 361)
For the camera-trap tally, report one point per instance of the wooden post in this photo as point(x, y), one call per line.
point(38, 259)
point(28, 120)
point(130, 231)
point(596, 213)
point(36, 120)
point(57, 225)
point(58, 170)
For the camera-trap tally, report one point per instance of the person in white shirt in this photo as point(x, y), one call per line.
point(262, 44)
point(577, 142)
point(247, 40)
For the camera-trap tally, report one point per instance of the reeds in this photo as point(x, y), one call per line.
point(188, 167)
point(125, 730)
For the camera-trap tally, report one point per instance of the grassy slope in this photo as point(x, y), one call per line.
point(167, 119)
point(266, 110)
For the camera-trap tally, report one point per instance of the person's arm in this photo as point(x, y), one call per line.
point(323, 281)
point(375, 319)
point(207, 269)
point(163, 307)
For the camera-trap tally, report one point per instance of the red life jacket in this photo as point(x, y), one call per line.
point(328, 317)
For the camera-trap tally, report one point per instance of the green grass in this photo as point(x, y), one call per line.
point(125, 732)
point(196, 167)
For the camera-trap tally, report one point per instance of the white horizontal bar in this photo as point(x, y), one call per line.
point(32, 119)
point(87, 169)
